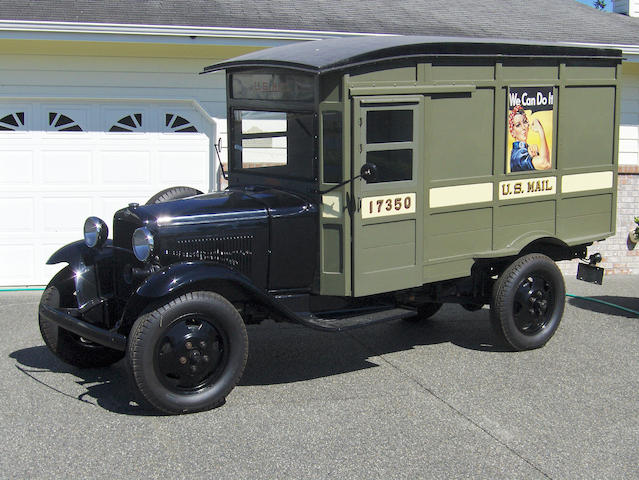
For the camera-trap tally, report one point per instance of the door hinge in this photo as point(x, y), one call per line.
point(360, 148)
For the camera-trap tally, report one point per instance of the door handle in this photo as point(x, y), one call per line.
point(350, 203)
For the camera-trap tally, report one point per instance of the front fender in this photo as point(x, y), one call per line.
point(77, 254)
point(82, 262)
point(181, 275)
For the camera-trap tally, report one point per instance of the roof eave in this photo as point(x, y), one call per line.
point(112, 32)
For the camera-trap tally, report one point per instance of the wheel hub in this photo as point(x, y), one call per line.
point(191, 354)
point(538, 304)
point(533, 304)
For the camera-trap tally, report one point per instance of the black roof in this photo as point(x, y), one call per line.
point(539, 20)
point(334, 54)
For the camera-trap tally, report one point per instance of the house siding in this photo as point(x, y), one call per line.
point(107, 72)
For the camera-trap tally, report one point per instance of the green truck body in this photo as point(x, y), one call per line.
point(438, 112)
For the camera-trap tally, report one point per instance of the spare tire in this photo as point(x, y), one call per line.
point(173, 193)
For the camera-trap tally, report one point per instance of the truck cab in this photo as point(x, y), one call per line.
point(369, 179)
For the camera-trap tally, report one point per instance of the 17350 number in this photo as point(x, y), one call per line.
point(387, 205)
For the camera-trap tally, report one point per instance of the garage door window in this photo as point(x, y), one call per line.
point(11, 122)
point(177, 124)
point(62, 123)
point(130, 123)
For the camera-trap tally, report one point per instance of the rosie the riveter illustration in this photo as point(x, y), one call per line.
point(530, 111)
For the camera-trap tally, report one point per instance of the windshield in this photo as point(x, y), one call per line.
point(274, 143)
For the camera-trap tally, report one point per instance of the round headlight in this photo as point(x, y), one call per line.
point(142, 243)
point(95, 232)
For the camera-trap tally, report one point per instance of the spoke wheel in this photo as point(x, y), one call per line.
point(528, 302)
point(188, 354)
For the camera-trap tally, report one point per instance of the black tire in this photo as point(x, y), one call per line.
point(67, 346)
point(424, 312)
point(528, 302)
point(187, 355)
point(172, 193)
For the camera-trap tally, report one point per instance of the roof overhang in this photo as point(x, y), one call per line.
point(630, 52)
point(106, 32)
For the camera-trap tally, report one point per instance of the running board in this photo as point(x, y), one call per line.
point(349, 323)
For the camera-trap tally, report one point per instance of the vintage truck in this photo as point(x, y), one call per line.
point(369, 179)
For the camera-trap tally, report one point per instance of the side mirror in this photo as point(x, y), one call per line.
point(369, 172)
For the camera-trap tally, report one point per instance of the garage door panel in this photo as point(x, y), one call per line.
point(62, 214)
point(182, 167)
point(18, 264)
point(17, 215)
point(16, 167)
point(126, 167)
point(67, 167)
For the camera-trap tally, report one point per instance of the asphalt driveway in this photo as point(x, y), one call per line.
point(397, 400)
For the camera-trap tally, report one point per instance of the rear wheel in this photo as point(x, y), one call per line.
point(67, 346)
point(187, 355)
point(528, 302)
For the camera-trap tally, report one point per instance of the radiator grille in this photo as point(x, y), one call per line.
point(234, 251)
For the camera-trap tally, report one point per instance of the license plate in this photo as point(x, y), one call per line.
point(590, 273)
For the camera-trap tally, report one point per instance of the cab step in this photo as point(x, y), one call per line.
point(348, 323)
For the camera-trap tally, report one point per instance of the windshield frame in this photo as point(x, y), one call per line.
point(269, 175)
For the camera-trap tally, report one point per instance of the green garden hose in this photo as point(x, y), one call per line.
point(604, 303)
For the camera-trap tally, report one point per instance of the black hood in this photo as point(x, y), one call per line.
point(228, 205)
point(242, 228)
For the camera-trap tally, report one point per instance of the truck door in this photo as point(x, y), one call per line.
point(388, 213)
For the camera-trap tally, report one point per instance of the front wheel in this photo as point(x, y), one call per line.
point(528, 302)
point(187, 355)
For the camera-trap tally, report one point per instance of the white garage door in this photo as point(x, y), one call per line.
point(62, 162)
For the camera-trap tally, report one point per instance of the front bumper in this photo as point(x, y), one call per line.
point(64, 318)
